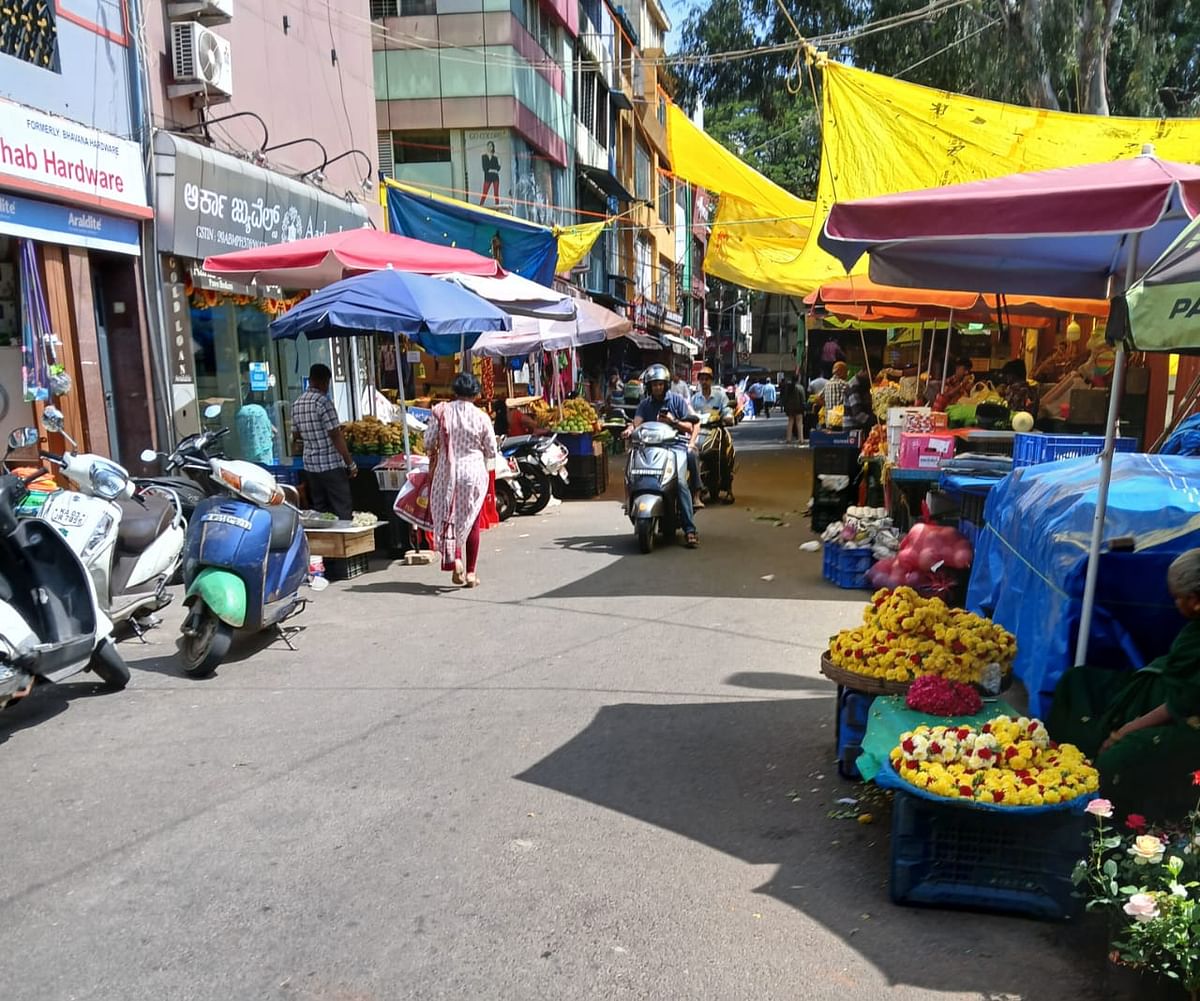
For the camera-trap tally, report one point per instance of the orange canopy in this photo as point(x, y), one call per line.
point(879, 302)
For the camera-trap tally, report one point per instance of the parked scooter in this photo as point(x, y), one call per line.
point(185, 469)
point(652, 483)
point(51, 626)
point(508, 487)
point(245, 560)
point(539, 457)
point(717, 455)
point(130, 543)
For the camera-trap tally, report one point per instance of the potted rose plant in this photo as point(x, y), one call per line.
point(1147, 878)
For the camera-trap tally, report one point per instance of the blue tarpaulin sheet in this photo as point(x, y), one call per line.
point(526, 248)
point(1185, 439)
point(1031, 560)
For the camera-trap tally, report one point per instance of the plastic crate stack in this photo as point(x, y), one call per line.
point(970, 516)
point(1033, 449)
point(846, 567)
point(833, 464)
point(853, 713)
point(950, 855)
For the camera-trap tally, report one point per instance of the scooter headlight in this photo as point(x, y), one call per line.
point(257, 492)
point(98, 536)
point(108, 480)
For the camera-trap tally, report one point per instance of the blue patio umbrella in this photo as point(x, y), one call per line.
point(440, 316)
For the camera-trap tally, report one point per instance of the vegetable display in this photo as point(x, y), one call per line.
point(1009, 761)
point(904, 636)
point(371, 436)
point(925, 551)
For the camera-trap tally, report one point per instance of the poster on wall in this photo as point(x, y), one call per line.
point(488, 167)
point(179, 323)
point(534, 199)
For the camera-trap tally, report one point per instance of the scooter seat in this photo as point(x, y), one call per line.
point(142, 521)
point(283, 527)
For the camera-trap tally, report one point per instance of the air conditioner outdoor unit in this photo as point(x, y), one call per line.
point(205, 11)
point(202, 61)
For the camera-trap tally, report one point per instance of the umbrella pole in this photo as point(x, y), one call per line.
point(1088, 606)
point(862, 339)
point(946, 358)
point(403, 410)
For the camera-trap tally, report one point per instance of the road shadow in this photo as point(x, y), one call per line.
point(243, 648)
point(403, 587)
point(739, 778)
point(776, 681)
point(45, 702)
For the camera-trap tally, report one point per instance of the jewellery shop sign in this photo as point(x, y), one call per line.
point(212, 203)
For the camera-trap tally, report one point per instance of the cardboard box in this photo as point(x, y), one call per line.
point(1088, 406)
point(926, 451)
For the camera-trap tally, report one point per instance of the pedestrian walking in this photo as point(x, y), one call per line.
point(755, 393)
point(793, 402)
point(461, 443)
point(328, 466)
point(769, 395)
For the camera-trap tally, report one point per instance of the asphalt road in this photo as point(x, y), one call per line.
point(601, 775)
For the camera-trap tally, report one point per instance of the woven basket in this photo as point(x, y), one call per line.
point(860, 682)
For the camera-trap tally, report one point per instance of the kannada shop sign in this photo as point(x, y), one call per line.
point(63, 158)
point(212, 203)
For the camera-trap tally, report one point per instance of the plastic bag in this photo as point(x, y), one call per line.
point(412, 502)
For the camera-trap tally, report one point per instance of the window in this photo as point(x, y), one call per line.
point(418, 8)
point(666, 200)
point(662, 110)
point(587, 100)
point(541, 26)
point(421, 147)
point(641, 178)
point(666, 284)
point(29, 32)
point(644, 275)
point(384, 8)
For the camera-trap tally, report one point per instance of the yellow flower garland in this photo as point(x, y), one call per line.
point(1010, 761)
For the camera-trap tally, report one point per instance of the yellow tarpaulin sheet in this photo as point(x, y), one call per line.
point(882, 136)
point(575, 243)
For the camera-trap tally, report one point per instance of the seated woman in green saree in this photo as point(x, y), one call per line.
point(1142, 728)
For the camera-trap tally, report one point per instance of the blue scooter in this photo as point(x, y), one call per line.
point(245, 559)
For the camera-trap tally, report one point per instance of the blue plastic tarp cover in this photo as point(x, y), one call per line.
point(1185, 439)
point(1031, 561)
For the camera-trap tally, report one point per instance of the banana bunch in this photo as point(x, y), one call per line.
point(371, 436)
point(543, 414)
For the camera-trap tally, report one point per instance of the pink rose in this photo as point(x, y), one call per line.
point(1142, 907)
point(1100, 808)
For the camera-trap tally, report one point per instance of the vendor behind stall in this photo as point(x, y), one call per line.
point(1144, 726)
point(858, 412)
point(1018, 393)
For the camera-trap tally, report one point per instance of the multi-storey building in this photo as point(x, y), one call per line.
point(474, 100)
point(263, 123)
point(73, 201)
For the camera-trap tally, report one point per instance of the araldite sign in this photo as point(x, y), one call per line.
point(51, 156)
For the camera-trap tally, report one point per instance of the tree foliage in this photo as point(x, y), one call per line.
point(1123, 57)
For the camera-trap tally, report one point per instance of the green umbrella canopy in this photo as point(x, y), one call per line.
point(1161, 312)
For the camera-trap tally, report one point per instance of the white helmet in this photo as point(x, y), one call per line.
point(656, 373)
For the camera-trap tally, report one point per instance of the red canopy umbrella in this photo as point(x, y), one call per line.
point(1066, 232)
point(323, 260)
point(1062, 232)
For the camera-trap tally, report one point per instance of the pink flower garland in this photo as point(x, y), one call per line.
point(938, 696)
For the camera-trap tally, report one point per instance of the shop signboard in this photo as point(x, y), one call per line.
point(212, 203)
point(68, 225)
point(260, 376)
point(80, 164)
point(179, 323)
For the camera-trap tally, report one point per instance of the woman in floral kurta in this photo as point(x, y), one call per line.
point(460, 437)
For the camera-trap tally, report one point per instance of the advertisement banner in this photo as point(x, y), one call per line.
point(78, 163)
point(211, 203)
point(51, 222)
point(179, 323)
point(489, 167)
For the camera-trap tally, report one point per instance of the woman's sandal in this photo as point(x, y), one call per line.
point(472, 580)
point(692, 540)
point(459, 574)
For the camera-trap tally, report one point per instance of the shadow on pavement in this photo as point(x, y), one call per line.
point(45, 702)
point(244, 647)
point(732, 776)
point(776, 681)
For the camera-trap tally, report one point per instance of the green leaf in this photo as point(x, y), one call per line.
point(1110, 868)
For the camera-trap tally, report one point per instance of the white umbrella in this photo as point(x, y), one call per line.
point(592, 324)
point(517, 296)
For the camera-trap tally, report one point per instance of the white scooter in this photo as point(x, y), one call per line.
point(51, 626)
point(131, 543)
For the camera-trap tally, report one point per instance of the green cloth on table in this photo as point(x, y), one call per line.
point(1150, 771)
point(889, 717)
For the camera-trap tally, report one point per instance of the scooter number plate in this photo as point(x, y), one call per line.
point(68, 517)
point(228, 519)
point(645, 472)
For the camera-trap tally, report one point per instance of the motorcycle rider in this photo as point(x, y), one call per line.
point(660, 404)
point(707, 399)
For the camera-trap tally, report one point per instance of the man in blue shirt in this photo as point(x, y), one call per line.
point(660, 404)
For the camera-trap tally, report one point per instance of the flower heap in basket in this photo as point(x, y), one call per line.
point(1010, 761)
point(904, 636)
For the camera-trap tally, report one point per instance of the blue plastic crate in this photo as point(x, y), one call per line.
point(1032, 449)
point(575, 444)
point(853, 714)
point(951, 855)
point(285, 474)
point(829, 561)
point(847, 567)
point(969, 530)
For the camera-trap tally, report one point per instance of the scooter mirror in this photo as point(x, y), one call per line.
point(212, 411)
point(149, 455)
point(25, 437)
point(54, 419)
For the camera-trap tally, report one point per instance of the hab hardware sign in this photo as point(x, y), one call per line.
point(85, 164)
point(212, 203)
